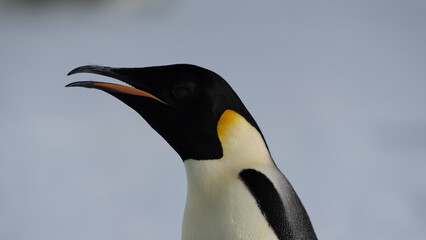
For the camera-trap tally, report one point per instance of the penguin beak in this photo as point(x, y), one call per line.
point(110, 87)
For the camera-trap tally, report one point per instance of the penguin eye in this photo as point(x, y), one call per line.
point(182, 91)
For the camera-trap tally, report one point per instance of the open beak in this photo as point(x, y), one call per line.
point(110, 87)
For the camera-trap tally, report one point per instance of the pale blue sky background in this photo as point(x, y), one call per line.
point(338, 88)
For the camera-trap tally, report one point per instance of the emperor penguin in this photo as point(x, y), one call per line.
point(235, 190)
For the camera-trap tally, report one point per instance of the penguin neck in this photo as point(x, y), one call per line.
point(243, 147)
point(217, 199)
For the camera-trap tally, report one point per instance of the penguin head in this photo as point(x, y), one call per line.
point(182, 102)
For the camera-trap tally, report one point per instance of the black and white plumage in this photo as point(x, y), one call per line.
point(235, 190)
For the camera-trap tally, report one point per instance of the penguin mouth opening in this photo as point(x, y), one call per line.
point(109, 87)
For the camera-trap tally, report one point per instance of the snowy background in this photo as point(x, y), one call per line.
point(338, 88)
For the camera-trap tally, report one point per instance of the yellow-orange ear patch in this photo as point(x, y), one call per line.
point(242, 143)
point(227, 119)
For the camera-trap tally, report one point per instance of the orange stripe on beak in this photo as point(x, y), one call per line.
point(125, 89)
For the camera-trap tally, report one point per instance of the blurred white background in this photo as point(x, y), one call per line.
point(338, 88)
